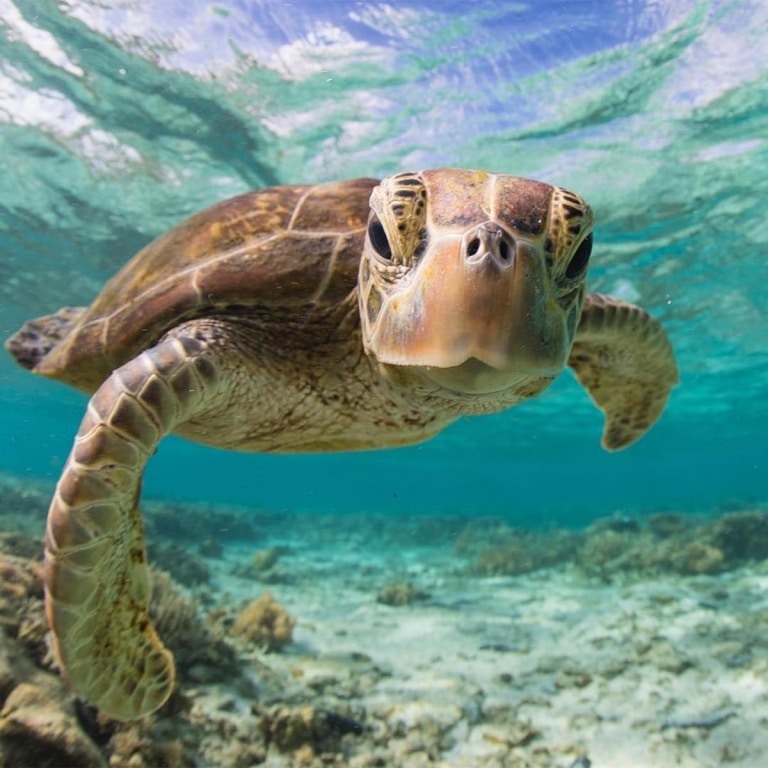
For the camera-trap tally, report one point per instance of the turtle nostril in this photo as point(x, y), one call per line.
point(487, 243)
point(473, 246)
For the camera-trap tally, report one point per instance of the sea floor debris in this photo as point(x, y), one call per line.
point(622, 660)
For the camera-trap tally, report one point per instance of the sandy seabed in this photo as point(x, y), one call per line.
point(400, 657)
point(536, 670)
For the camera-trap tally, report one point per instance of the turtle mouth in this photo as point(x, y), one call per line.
point(477, 314)
point(474, 377)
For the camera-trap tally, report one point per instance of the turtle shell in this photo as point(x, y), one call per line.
point(281, 247)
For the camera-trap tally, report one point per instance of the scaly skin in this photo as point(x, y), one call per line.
point(97, 592)
point(623, 358)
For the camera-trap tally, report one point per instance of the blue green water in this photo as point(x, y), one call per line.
point(119, 118)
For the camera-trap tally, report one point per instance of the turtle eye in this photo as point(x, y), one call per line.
point(580, 259)
point(379, 240)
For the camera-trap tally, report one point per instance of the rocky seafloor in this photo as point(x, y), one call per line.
point(306, 640)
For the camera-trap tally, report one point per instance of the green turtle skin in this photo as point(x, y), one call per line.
point(352, 315)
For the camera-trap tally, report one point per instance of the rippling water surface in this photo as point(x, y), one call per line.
point(120, 117)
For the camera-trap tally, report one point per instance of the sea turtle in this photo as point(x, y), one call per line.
point(340, 316)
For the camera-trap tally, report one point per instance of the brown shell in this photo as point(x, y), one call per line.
point(278, 247)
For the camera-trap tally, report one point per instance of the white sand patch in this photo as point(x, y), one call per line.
point(536, 670)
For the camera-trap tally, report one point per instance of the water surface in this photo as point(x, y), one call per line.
point(119, 118)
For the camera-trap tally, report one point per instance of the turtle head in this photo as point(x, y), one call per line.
point(473, 281)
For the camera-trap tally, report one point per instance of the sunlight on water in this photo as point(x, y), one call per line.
point(118, 119)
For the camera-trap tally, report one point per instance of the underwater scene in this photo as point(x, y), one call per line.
point(354, 551)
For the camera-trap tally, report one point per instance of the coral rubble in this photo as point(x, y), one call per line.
point(264, 560)
point(398, 593)
point(265, 624)
point(618, 546)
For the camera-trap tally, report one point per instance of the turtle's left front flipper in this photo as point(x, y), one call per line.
point(622, 356)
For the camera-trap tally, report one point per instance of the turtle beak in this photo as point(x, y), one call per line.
point(479, 314)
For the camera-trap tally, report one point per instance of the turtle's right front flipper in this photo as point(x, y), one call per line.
point(96, 585)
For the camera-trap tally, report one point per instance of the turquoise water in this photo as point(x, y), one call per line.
point(118, 119)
